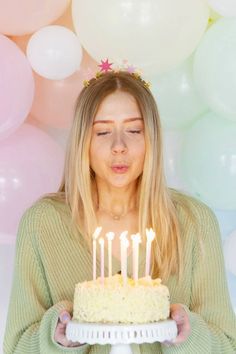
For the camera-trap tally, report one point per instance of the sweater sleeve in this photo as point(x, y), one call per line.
point(32, 318)
point(213, 322)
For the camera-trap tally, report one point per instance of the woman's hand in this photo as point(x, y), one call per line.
point(180, 316)
point(60, 332)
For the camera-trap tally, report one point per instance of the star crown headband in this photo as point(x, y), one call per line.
point(106, 67)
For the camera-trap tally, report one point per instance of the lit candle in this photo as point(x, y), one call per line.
point(136, 240)
point(101, 243)
point(124, 244)
point(110, 236)
point(95, 236)
point(150, 235)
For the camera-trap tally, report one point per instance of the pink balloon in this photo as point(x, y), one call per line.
point(26, 16)
point(54, 101)
point(31, 165)
point(17, 87)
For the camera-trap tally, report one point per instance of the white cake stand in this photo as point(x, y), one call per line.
point(121, 336)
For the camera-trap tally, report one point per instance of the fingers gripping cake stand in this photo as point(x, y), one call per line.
point(121, 336)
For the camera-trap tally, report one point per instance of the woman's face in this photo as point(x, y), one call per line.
point(117, 146)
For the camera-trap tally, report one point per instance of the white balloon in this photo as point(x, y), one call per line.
point(154, 35)
point(229, 252)
point(54, 52)
point(224, 7)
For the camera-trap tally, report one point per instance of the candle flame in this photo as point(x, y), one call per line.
point(123, 235)
point(110, 235)
point(136, 238)
point(150, 234)
point(97, 232)
point(101, 241)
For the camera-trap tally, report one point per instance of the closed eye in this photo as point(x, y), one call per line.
point(134, 131)
point(102, 133)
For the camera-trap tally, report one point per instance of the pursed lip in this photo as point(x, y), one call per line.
point(119, 168)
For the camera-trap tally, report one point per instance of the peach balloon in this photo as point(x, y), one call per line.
point(26, 16)
point(54, 101)
point(31, 164)
point(21, 41)
point(66, 20)
point(60, 135)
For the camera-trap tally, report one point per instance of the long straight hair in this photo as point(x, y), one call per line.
point(156, 205)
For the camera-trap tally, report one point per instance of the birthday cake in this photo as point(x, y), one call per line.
point(145, 301)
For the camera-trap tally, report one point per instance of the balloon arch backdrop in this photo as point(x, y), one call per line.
point(186, 48)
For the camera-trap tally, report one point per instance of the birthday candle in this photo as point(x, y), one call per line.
point(136, 240)
point(150, 235)
point(110, 237)
point(124, 244)
point(95, 236)
point(101, 242)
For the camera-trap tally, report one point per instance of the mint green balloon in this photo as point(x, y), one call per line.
point(178, 101)
point(209, 161)
point(215, 67)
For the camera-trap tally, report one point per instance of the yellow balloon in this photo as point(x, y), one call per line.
point(154, 35)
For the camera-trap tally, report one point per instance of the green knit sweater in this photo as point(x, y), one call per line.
point(50, 260)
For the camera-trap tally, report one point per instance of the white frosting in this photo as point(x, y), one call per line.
point(147, 301)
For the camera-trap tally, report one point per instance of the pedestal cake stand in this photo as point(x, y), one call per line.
point(121, 336)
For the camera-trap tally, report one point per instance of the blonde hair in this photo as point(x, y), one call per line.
point(156, 207)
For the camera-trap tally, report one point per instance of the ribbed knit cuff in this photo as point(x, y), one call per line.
point(47, 331)
point(198, 340)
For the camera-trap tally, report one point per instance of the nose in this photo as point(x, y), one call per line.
point(118, 144)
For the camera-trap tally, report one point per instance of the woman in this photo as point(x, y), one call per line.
point(113, 177)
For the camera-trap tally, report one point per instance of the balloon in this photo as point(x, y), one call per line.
point(65, 20)
point(54, 101)
point(21, 41)
point(27, 16)
point(208, 161)
point(31, 164)
point(57, 134)
point(215, 67)
point(7, 255)
point(232, 288)
point(154, 35)
point(17, 87)
point(178, 101)
point(229, 252)
point(172, 143)
point(224, 7)
point(227, 221)
point(7, 239)
point(54, 52)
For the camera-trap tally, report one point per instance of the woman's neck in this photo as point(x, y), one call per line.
point(116, 201)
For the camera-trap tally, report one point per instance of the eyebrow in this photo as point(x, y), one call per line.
point(112, 121)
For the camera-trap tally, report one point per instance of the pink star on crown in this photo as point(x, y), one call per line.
point(105, 65)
